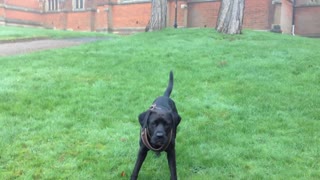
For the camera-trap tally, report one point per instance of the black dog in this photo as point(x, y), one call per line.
point(158, 130)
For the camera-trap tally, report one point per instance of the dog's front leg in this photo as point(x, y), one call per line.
point(141, 157)
point(171, 156)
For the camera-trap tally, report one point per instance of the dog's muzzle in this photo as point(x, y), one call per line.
point(145, 136)
point(145, 139)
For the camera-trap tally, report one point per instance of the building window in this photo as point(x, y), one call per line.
point(52, 5)
point(134, 1)
point(78, 4)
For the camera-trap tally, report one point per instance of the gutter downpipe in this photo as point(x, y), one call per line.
point(175, 25)
point(293, 17)
point(4, 12)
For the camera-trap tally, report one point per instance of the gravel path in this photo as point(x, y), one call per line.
point(14, 48)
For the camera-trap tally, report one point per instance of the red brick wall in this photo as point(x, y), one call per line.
point(114, 16)
point(131, 15)
point(181, 14)
point(256, 14)
point(302, 2)
point(307, 20)
point(56, 20)
point(32, 4)
point(22, 12)
point(203, 14)
point(23, 15)
point(79, 21)
point(137, 15)
point(102, 18)
point(2, 13)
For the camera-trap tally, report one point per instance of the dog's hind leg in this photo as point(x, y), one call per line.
point(143, 151)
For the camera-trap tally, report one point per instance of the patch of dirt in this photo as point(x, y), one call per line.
point(27, 46)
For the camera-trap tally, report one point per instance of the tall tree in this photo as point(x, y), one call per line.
point(230, 16)
point(158, 15)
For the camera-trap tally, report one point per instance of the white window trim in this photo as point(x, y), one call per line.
point(132, 1)
point(52, 5)
point(76, 5)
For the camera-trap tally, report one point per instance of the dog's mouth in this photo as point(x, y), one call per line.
point(158, 142)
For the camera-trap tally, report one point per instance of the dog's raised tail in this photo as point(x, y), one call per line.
point(170, 85)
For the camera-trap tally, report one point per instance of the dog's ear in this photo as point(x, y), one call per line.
point(142, 118)
point(176, 118)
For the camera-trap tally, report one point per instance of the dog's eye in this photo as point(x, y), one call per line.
point(153, 124)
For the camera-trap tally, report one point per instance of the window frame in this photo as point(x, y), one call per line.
point(52, 5)
point(133, 1)
point(78, 5)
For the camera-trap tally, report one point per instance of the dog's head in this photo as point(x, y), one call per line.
point(159, 124)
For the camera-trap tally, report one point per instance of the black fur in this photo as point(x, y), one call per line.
point(160, 120)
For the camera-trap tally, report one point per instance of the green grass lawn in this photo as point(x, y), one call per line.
point(249, 104)
point(9, 33)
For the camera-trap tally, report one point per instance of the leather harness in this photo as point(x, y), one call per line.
point(145, 136)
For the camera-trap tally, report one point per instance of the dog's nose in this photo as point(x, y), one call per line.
point(159, 134)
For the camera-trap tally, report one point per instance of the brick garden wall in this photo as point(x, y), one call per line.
point(182, 13)
point(257, 14)
point(135, 16)
point(307, 20)
point(2, 13)
point(24, 17)
point(101, 18)
point(115, 16)
point(28, 4)
point(81, 21)
point(22, 12)
point(130, 16)
point(55, 20)
point(203, 14)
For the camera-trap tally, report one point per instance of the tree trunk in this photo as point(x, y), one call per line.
point(230, 16)
point(158, 15)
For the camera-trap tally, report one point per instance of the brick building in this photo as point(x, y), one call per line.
point(305, 16)
point(133, 15)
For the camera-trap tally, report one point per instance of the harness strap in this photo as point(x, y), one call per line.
point(144, 137)
point(145, 133)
